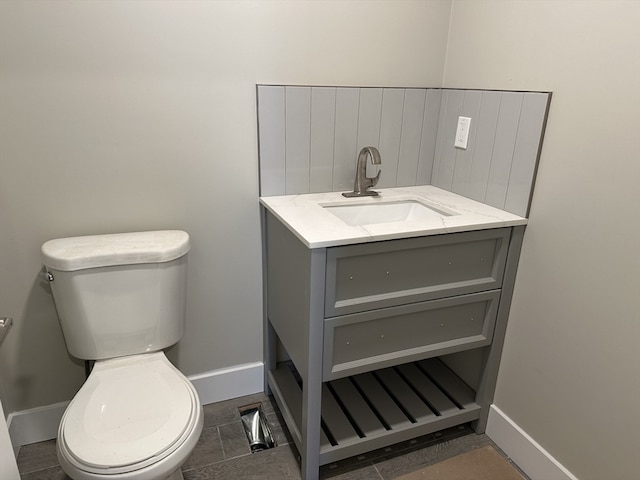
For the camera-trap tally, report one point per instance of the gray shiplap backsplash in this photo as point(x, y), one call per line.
point(309, 138)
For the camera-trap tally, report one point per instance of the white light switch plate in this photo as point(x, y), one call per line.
point(462, 132)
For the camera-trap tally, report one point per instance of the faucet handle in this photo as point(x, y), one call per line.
point(375, 160)
point(374, 180)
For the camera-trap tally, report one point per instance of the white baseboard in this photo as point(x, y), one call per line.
point(231, 382)
point(525, 452)
point(40, 424)
point(35, 425)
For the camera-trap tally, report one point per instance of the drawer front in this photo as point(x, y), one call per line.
point(384, 274)
point(366, 341)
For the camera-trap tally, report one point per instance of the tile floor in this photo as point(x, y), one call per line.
point(223, 452)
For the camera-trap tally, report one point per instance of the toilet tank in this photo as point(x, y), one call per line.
point(119, 294)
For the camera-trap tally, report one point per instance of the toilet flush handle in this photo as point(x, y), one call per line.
point(46, 276)
point(5, 324)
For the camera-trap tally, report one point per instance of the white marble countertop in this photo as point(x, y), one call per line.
point(316, 227)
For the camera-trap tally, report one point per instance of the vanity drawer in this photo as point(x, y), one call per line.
point(367, 341)
point(384, 274)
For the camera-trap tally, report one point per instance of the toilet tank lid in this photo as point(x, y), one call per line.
point(93, 251)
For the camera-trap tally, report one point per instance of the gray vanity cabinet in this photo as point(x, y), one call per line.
point(368, 345)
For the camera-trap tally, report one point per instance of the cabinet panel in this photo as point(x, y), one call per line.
point(289, 291)
point(361, 342)
point(385, 274)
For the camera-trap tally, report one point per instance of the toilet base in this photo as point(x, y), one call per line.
point(177, 475)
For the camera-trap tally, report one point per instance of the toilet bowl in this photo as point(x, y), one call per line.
point(121, 300)
point(135, 418)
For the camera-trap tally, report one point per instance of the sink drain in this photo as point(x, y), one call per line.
point(257, 428)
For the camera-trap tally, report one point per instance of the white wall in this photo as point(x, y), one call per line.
point(570, 373)
point(123, 115)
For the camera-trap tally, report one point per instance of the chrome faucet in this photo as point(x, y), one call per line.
point(363, 183)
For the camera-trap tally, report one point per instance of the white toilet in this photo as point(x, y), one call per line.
point(121, 300)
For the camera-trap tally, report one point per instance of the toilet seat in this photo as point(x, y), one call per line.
point(131, 413)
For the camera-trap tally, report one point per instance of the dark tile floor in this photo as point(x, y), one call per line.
point(223, 451)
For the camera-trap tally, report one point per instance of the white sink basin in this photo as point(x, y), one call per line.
point(380, 211)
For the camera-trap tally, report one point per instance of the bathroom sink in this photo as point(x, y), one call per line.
point(378, 211)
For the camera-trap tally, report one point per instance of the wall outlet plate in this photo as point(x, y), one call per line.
point(462, 132)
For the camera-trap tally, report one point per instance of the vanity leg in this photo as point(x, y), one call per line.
point(269, 353)
point(487, 387)
point(312, 384)
point(311, 431)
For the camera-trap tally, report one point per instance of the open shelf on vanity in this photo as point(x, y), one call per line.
point(374, 409)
